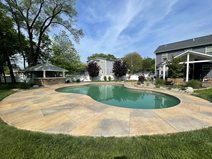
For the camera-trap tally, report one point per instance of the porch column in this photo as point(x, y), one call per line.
point(63, 73)
point(164, 72)
point(187, 67)
point(44, 74)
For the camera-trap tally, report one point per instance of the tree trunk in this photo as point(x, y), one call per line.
point(31, 58)
point(20, 43)
point(5, 79)
point(24, 61)
point(10, 68)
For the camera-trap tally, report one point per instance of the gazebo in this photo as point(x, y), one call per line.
point(46, 74)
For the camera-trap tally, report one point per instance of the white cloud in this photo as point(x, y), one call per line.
point(130, 25)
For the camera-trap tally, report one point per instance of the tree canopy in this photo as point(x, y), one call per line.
point(134, 62)
point(120, 68)
point(102, 55)
point(9, 43)
point(36, 17)
point(148, 64)
point(64, 54)
point(93, 69)
point(175, 69)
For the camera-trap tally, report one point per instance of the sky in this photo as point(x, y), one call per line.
point(119, 27)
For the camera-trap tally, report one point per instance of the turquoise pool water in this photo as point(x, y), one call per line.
point(118, 95)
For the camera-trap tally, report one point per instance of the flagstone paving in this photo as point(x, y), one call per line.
point(48, 111)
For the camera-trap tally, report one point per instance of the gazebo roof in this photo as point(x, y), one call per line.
point(45, 67)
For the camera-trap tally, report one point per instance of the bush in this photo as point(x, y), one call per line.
point(109, 78)
point(160, 82)
point(141, 79)
point(105, 78)
point(67, 81)
point(24, 85)
point(15, 86)
point(78, 80)
point(194, 84)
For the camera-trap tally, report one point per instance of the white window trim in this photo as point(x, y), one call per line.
point(207, 50)
point(206, 67)
point(164, 55)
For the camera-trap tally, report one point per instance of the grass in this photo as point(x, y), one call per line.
point(15, 143)
point(205, 94)
point(5, 93)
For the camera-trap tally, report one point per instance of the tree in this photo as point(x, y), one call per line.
point(102, 55)
point(64, 54)
point(134, 62)
point(175, 69)
point(120, 68)
point(37, 16)
point(9, 44)
point(148, 64)
point(93, 69)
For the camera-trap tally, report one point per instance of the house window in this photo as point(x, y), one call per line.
point(164, 57)
point(208, 50)
point(206, 67)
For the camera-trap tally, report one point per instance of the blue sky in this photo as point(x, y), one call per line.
point(122, 26)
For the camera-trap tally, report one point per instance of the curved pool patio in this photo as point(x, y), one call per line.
point(48, 111)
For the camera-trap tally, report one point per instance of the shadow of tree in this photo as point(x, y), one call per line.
point(120, 157)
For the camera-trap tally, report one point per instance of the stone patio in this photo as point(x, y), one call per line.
point(46, 110)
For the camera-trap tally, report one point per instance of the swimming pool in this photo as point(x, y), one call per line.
point(118, 95)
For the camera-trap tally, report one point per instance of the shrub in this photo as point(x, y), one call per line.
point(105, 78)
point(67, 81)
point(109, 78)
point(157, 86)
point(194, 84)
point(141, 79)
point(175, 70)
point(160, 82)
point(120, 68)
point(93, 69)
point(21, 85)
point(24, 85)
point(78, 80)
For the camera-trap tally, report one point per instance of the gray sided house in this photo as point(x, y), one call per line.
point(106, 67)
point(196, 55)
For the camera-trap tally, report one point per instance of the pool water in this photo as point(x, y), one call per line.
point(118, 95)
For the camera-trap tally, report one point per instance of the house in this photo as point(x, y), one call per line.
point(106, 67)
point(19, 76)
point(196, 55)
point(46, 74)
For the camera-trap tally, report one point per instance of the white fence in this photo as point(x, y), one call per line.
point(86, 77)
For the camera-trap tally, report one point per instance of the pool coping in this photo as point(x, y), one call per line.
point(80, 115)
point(134, 88)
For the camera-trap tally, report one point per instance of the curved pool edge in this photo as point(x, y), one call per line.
point(90, 116)
point(144, 89)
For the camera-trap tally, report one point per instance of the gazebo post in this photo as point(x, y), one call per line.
point(187, 67)
point(44, 74)
point(63, 73)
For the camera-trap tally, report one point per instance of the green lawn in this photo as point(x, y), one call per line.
point(206, 94)
point(20, 144)
point(4, 93)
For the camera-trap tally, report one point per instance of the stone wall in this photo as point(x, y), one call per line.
point(49, 81)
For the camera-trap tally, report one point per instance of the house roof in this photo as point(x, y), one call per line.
point(186, 44)
point(101, 58)
point(194, 53)
point(45, 67)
